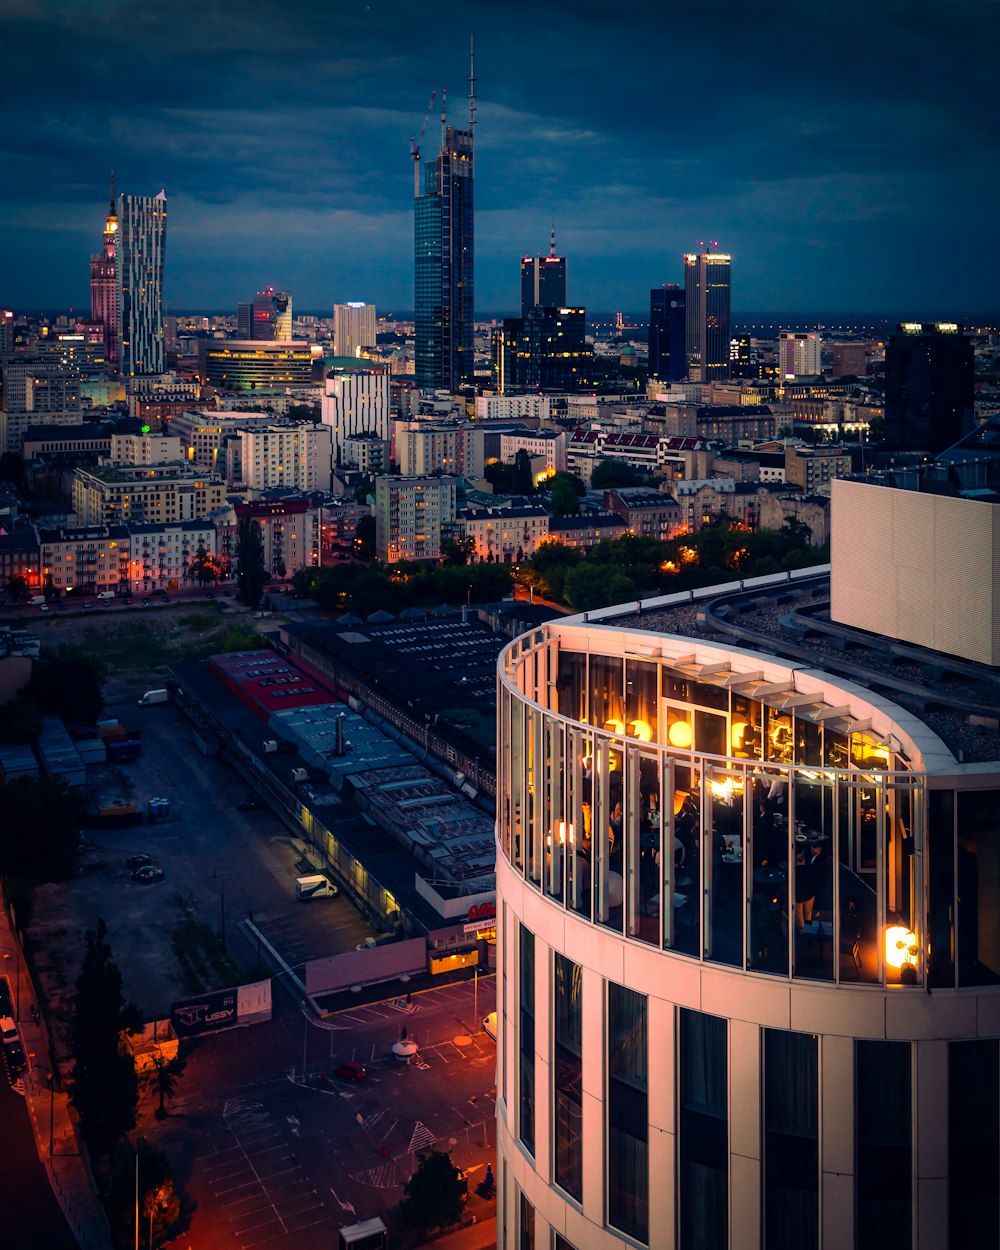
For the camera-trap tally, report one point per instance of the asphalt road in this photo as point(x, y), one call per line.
point(271, 1160)
point(31, 1218)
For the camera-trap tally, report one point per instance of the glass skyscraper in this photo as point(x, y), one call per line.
point(706, 294)
point(667, 355)
point(443, 263)
point(142, 238)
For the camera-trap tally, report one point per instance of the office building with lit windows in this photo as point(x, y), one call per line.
point(353, 328)
point(543, 280)
point(444, 260)
point(139, 258)
point(707, 315)
point(749, 948)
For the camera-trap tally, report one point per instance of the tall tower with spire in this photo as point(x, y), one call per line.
point(444, 250)
point(104, 283)
point(543, 279)
point(142, 240)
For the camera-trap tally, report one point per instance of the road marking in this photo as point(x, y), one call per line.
point(421, 1138)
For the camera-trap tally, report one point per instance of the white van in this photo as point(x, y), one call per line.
point(8, 1030)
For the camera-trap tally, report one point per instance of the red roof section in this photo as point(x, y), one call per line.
point(266, 682)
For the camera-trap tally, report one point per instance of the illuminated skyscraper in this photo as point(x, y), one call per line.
point(104, 284)
point(930, 380)
point(443, 259)
point(543, 280)
point(353, 327)
point(706, 293)
point(798, 354)
point(271, 317)
point(142, 240)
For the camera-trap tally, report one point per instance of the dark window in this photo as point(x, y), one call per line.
point(526, 1223)
point(941, 886)
point(703, 1133)
point(883, 1146)
point(791, 1141)
point(978, 862)
point(526, 1038)
point(567, 1079)
point(628, 1114)
point(974, 1142)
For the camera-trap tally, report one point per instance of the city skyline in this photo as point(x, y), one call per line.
point(811, 159)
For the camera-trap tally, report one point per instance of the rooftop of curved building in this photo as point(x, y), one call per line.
point(788, 617)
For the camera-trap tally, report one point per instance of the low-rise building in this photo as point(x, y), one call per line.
point(144, 449)
point(62, 445)
point(367, 453)
point(813, 468)
point(646, 513)
point(20, 557)
point(505, 534)
point(813, 511)
point(158, 494)
point(86, 558)
point(285, 454)
point(161, 555)
point(425, 448)
point(512, 407)
point(585, 531)
point(546, 446)
point(290, 533)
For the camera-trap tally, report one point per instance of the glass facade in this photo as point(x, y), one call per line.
point(704, 811)
point(567, 1075)
point(443, 266)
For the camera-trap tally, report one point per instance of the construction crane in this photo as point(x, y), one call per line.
point(415, 147)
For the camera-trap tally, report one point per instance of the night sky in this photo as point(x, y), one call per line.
point(845, 154)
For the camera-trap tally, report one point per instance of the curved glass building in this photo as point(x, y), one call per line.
point(749, 957)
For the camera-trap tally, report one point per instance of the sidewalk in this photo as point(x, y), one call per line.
point(51, 1121)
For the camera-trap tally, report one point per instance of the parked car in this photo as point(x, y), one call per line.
point(490, 1025)
point(139, 860)
point(16, 1062)
point(148, 874)
point(356, 1072)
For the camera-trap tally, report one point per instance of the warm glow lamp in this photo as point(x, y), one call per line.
point(642, 731)
point(679, 734)
point(736, 733)
point(616, 726)
point(900, 945)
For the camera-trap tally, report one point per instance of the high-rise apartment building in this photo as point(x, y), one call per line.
point(667, 352)
point(139, 256)
point(929, 386)
point(444, 261)
point(244, 319)
point(798, 355)
point(295, 454)
point(546, 350)
point(356, 402)
point(6, 331)
point(104, 284)
point(707, 299)
point(353, 327)
point(543, 280)
point(409, 515)
point(271, 316)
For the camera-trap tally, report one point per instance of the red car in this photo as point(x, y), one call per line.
point(356, 1072)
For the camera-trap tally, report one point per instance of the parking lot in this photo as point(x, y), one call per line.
point(272, 1157)
point(220, 865)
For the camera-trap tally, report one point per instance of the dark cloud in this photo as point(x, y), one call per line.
point(844, 154)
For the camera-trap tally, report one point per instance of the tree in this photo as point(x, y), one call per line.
point(159, 1203)
point(612, 473)
point(105, 1090)
point(203, 567)
point(68, 684)
point(166, 1073)
point(18, 589)
point(434, 1194)
point(563, 496)
point(591, 585)
point(524, 483)
point(364, 538)
point(458, 551)
point(250, 570)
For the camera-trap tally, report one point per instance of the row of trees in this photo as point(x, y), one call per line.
point(631, 567)
point(562, 490)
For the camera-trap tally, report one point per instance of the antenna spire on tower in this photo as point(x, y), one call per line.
point(552, 242)
point(112, 190)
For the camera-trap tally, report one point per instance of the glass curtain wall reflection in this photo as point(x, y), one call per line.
point(703, 1132)
point(567, 1075)
point(628, 1112)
